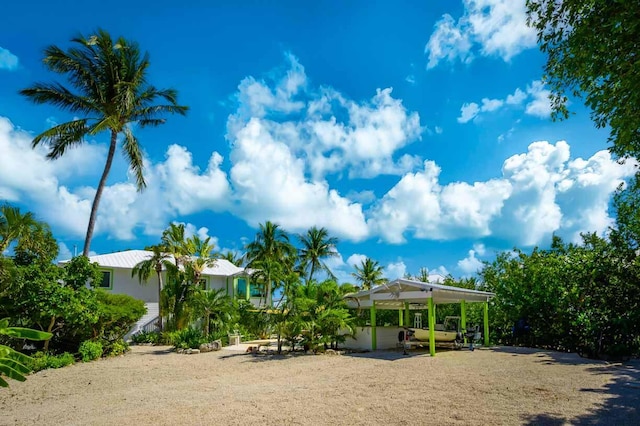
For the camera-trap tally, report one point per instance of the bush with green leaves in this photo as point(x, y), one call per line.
point(90, 350)
point(153, 337)
point(42, 360)
point(187, 338)
point(117, 348)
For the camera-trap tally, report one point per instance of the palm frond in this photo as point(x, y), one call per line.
point(62, 136)
point(58, 95)
point(134, 155)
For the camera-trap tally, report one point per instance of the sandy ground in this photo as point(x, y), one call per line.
point(152, 385)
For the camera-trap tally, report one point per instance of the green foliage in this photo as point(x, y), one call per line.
point(107, 91)
point(592, 52)
point(153, 337)
point(252, 323)
point(42, 361)
point(117, 313)
point(369, 273)
point(90, 350)
point(187, 338)
point(117, 348)
point(14, 364)
point(582, 298)
point(79, 272)
point(214, 307)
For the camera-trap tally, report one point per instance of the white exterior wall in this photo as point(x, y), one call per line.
point(123, 283)
point(386, 338)
point(216, 283)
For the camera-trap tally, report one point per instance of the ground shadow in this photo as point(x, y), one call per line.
point(621, 405)
point(154, 350)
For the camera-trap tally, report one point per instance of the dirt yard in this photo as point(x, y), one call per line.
point(151, 386)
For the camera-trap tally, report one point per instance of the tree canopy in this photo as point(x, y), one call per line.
point(109, 92)
point(592, 48)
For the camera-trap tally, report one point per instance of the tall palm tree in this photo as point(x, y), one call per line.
point(109, 89)
point(316, 245)
point(271, 245)
point(173, 240)
point(158, 262)
point(233, 257)
point(369, 273)
point(15, 225)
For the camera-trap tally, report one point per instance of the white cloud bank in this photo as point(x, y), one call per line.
point(496, 27)
point(286, 138)
point(540, 192)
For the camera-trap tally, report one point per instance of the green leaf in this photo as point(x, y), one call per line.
point(25, 333)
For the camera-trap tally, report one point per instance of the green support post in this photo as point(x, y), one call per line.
point(431, 313)
point(400, 318)
point(247, 288)
point(374, 342)
point(463, 320)
point(406, 314)
point(486, 323)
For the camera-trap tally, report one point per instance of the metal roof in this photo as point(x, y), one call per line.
point(130, 258)
point(394, 294)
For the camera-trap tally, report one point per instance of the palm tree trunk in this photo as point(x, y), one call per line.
point(159, 301)
point(268, 301)
point(96, 199)
point(311, 273)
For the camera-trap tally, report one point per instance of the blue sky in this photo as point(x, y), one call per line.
point(416, 132)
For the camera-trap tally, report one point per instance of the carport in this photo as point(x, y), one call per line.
point(405, 295)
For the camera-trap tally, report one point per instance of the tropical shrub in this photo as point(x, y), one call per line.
point(117, 348)
point(43, 360)
point(90, 350)
point(153, 337)
point(187, 338)
point(117, 313)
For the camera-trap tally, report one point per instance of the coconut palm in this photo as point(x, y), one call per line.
point(271, 245)
point(173, 240)
point(369, 273)
point(200, 254)
point(316, 245)
point(15, 225)
point(233, 257)
point(109, 91)
point(158, 262)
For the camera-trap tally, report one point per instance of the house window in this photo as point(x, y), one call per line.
point(203, 283)
point(241, 288)
point(107, 280)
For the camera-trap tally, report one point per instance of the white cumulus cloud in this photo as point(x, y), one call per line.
point(536, 96)
point(8, 61)
point(488, 27)
point(540, 192)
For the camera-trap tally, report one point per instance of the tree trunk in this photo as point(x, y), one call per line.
point(96, 199)
point(159, 299)
point(311, 273)
point(51, 324)
point(268, 297)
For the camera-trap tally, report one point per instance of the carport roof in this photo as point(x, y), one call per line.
point(394, 294)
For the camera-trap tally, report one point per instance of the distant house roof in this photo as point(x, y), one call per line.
point(130, 258)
